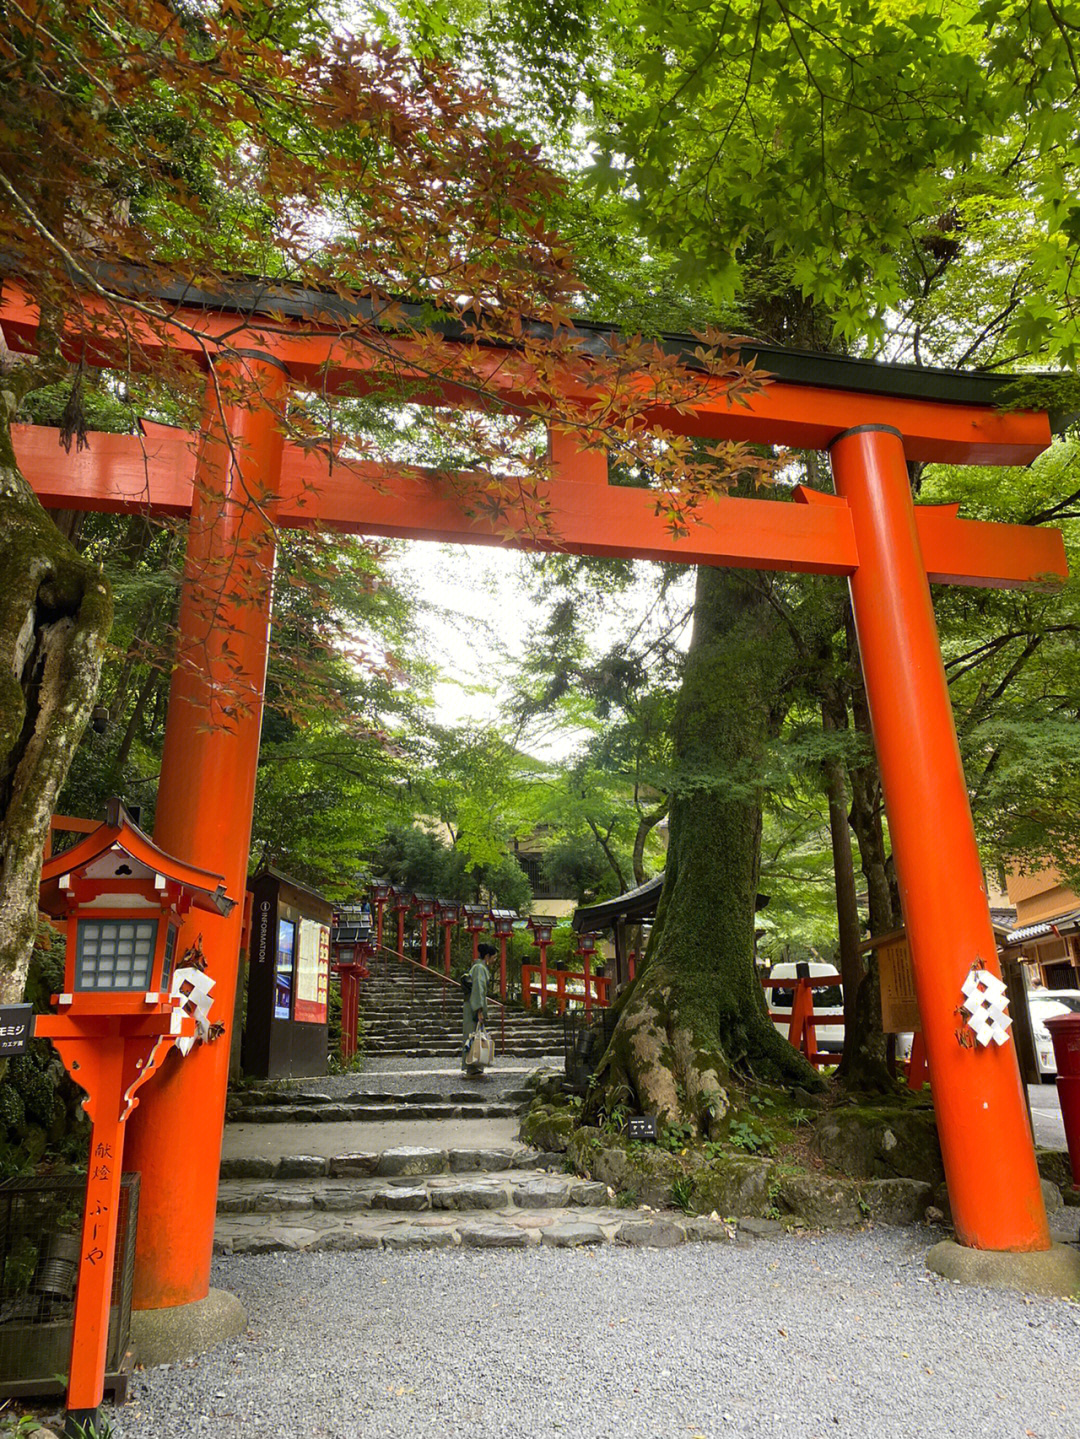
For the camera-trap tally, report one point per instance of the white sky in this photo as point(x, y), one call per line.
point(474, 615)
point(473, 619)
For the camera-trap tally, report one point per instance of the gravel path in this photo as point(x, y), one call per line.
point(795, 1338)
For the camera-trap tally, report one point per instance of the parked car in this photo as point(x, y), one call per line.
point(1045, 1004)
point(828, 1001)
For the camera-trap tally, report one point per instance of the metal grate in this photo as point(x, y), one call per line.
point(584, 1043)
point(40, 1240)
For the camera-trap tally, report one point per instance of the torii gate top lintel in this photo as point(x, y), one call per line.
point(810, 401)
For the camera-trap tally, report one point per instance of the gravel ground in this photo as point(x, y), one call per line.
point(797, 1338)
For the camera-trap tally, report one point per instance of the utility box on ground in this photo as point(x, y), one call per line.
point(285, 1034)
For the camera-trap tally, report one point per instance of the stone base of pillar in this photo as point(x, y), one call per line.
point(167, 1336)
point(1054, 1271)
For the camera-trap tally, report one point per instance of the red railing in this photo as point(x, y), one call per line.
point(451, 988)
point(564, 986)
point(802, 1021)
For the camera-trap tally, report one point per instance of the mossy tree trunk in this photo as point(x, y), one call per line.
point(696, 1014)
point(864, 1066)
point(55, 614)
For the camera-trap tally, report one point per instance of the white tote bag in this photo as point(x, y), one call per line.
point(481, 1046)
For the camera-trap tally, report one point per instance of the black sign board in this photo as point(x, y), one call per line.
point(16, 1028)
point(642, 1127)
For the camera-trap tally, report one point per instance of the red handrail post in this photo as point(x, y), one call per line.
point(918, 1069)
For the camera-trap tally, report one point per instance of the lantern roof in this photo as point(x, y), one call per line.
point(118, 849)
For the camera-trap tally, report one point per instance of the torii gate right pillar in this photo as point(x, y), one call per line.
point(986, 1142)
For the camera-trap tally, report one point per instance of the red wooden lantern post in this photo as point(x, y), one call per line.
point(541, 926)
point(424, 904)
point(380, 892)
point(122, 1009)
point(502, 922)
point(400, 902)
point(476, 924)
point(449, 912)
point(351, 947)
point(585, 949)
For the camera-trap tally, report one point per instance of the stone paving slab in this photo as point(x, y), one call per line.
point(272, 1141)
point(411, 1191)
point(494, 1229)
point(341, 1113)
point(364, 1164)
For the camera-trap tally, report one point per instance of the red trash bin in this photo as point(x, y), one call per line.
point(1065, 1033)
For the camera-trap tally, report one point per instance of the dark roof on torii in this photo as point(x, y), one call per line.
point(252, 295)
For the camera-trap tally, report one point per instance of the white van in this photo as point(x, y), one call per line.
point(1045, 1004)
point(828, 1001)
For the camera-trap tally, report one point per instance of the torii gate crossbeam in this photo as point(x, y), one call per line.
point(872, 420)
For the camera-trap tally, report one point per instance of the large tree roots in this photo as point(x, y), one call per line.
point(662, 1060)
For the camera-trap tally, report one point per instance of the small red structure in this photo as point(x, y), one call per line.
point(1065, 1033)
point(448, 912)
point(502, 922)
point(380, 893)
point(585, 948)
point(564, 989)
point(476, 924)
point(126, 1002)
point(424, 906)
point(542, 926)
point(351, 946)
point(400, 903)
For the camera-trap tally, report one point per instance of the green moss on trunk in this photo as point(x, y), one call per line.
point(697, 1012)
point(55, 614)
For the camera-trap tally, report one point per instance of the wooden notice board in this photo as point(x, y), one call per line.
point(899, 1007)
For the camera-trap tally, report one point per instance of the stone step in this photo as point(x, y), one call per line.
point(345, 1113)
point(453, 1056)
point(400, 1161)
point(409, 1034)
point(510, 1189)
point(512, 1228)
point(271, 1098)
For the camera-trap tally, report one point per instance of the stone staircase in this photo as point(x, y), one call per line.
point(282, 1106)
point(408, 1012)
point(410, 1197)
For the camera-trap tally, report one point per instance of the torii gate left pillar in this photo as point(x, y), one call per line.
point(205, 800)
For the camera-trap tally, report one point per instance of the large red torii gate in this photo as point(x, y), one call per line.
point(871, 419)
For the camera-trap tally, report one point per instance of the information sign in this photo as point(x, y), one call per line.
point(312, 973)
point(899, 1007)
point(642, 1127)
point(16, 1028)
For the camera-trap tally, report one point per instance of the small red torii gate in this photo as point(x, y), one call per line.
point(871, 420)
